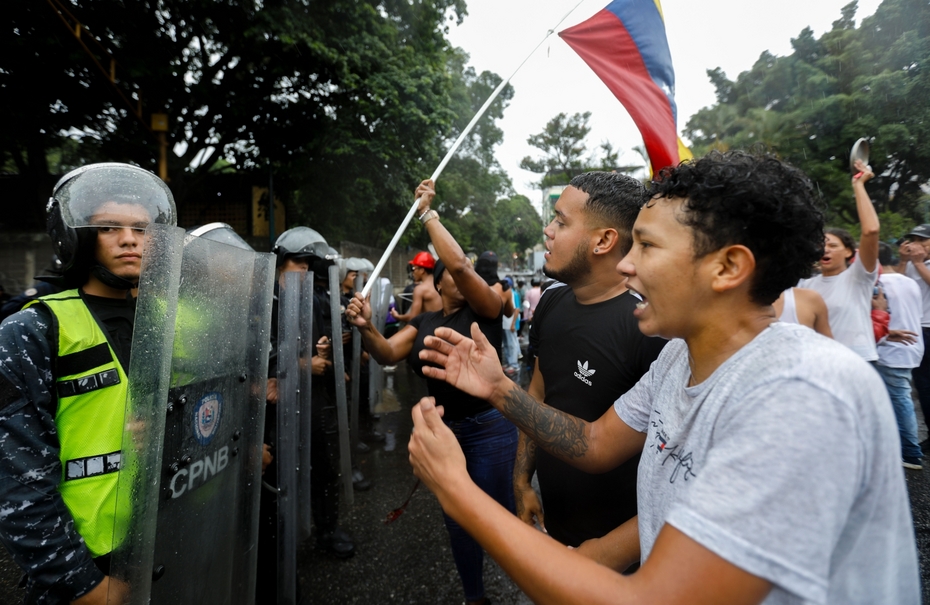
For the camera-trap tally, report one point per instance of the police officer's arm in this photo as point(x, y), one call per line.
point(385, 351)
point(35, 525)
point(480, 296)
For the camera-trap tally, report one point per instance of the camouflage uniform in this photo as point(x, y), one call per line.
point(35, 525)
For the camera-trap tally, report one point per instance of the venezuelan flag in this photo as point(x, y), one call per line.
point(626, 46)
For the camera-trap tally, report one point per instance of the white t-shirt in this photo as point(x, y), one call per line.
point(911, 272)
point(906, 310)
point(785, 462)
point(849, 303)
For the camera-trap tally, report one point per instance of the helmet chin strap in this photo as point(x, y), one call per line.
point(112, 280)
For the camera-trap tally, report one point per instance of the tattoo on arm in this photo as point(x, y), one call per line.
point(558, 433)
point(525, 464)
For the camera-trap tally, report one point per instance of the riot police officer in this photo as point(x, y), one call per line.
point(299, 249)
point(63, 388)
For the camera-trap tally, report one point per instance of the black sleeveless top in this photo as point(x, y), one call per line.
point(458, 405)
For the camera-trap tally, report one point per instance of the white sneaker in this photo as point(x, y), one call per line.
point(914, 466)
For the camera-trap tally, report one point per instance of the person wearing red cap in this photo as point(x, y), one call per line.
point(425, 296)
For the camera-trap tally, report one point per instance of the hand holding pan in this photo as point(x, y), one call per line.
point(860, 151)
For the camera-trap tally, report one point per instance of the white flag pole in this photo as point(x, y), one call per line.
point(455, 146)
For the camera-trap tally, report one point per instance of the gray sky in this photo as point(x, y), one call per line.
point(498, 34)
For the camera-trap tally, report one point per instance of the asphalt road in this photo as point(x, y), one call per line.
point(408, 561)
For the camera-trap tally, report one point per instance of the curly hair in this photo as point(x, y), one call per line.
point(754, 200)
point(614, 200)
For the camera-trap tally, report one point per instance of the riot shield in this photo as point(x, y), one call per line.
point(356, 374)
point(381, 292)
point(192, 448)
point(339, 369)
point(305, 397)
point(295, 313)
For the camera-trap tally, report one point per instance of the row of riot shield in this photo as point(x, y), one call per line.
point(188, 492)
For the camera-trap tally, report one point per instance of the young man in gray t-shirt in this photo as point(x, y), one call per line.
point(770, 469)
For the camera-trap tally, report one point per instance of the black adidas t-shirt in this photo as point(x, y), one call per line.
point(589, 355)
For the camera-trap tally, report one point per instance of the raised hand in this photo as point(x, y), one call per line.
point(359, 311)
point(865, 173)
point(469, 365)
point(425, 193)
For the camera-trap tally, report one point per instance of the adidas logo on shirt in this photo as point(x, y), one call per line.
point(583, 373)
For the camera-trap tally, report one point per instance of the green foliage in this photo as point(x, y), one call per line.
point(350, 102)
point(562, 142)
point(810, 106)
point(474, 195)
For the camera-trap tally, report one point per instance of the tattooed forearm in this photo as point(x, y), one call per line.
point(525, 464)
point(558, 433)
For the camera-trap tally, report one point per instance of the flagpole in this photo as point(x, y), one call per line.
point(455, 146)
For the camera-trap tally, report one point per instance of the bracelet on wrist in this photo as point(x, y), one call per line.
point(428, 216)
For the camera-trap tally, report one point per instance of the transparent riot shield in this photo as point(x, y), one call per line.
point(380, 302)
point(305, 398)
point(192, 448)
point(356, 374)
point(295, 327)
point(339, 369)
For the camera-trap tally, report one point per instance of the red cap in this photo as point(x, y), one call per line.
point(423, 259)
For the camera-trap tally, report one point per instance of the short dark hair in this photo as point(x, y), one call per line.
point(754, 200)
point(845, 238)
point(885, 254)
point(614, 200)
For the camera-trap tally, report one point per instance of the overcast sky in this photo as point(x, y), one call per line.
point(498, 35)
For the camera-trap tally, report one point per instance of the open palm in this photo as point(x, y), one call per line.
point(469, 365)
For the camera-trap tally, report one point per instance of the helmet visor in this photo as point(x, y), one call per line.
point(115, 195)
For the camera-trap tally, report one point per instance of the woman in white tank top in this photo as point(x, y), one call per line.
point(804, 307)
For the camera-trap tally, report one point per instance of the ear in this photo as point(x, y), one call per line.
point(605, 240)
point(732, 267)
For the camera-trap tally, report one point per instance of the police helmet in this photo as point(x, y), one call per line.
point(220, 232)
point(102, 195)
point(357, 264)
point(300, 242)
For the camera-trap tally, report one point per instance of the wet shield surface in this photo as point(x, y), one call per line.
point(293, 417)
point(192, 447)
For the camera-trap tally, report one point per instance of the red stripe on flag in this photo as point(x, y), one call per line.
point(605, 45)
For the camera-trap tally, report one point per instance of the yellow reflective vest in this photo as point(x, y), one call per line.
point(92, 388)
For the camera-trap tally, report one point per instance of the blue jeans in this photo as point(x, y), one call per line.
point(899, 389)
point(489, 442)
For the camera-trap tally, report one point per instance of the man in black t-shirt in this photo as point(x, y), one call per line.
point(590, 351)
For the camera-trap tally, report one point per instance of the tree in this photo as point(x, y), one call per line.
point(810, 106)
point(474, 193)
point(329, 93)
point(562, 142)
